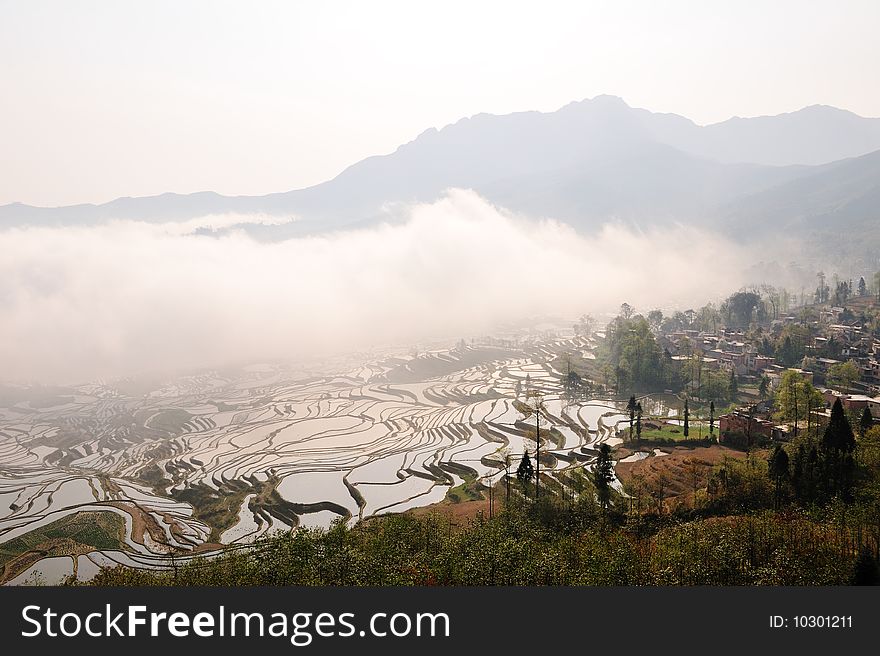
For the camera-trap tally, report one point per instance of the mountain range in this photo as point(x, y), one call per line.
point(816, 170)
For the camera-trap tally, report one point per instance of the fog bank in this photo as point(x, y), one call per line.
point(117, 299)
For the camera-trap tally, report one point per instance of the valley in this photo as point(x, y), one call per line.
point(219, 458)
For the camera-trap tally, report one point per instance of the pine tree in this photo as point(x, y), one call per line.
point(805, 471)
point(838, 444)
point(764, 387)
point(733, 388)
point(525, 472)
point(639, 421)
point(631, 406)
point(778, 469)
point(866, 421)
point(687, 415)
point(572, 385)
point(603, 474)
point(711, 418)
point(838, 435)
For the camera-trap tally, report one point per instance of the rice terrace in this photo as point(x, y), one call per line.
point(105, 474)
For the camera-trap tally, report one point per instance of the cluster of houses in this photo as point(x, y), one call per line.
point(836, 331)
point(724, 350)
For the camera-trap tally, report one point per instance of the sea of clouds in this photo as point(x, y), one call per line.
point(80, 303)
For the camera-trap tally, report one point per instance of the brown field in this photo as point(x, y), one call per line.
point(679, 472)
point(458, 513)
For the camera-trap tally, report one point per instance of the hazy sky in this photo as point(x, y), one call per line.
point(123, 98)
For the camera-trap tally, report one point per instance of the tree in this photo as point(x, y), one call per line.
point(822, 290)
point(863, 287)
point(838, 444)
point(708, 318)
point(838, 434)
point(792, 344)
point(686, 419)
point(659, 486)
point(865, 422)
point(696, 368)
point(764, 387)
point(740, 307)
point(778, 469)
point(786, 352)
point(525, 472)
point(626, 311)
point(732, 387)
point(505, 452)
point(655, 319)
point(711, 418)
point(585, 325)
point(795, 397)
point(716, 385)
point(631, 406)
point(695, 470)
point(843, 374)
point(805, 474)
point(639, 421)
point(632, 348)
point(603, 474)
point(572, 384)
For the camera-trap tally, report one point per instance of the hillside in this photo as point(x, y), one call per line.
point(836, 204)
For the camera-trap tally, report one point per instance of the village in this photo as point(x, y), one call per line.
point(786, 367)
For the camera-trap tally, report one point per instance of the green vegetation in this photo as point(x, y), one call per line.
point(741, 308)
point(71, 535)
point(792, 344)
point(635, 359)
point(219, 508)
point(843, 375)
point(525, 472)
point(805, 513)
point(603, 475)
point(547, 543)
point(469, 490)
point(665, 433)
point(796, 399)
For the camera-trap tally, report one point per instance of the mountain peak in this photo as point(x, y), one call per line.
point(575, 152)
point(605, 98)
point(602, 100)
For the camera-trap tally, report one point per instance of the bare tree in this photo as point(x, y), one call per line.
point(695, 470)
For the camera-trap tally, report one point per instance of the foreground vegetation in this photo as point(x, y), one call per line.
point(74, 534)
point(544, 544)
point(753, 525)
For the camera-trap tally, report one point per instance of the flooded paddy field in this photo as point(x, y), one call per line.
point(143, 474)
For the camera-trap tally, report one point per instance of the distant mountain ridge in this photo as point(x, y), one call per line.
point(588, 162)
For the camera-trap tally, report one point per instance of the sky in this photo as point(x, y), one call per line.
point(122, 98)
